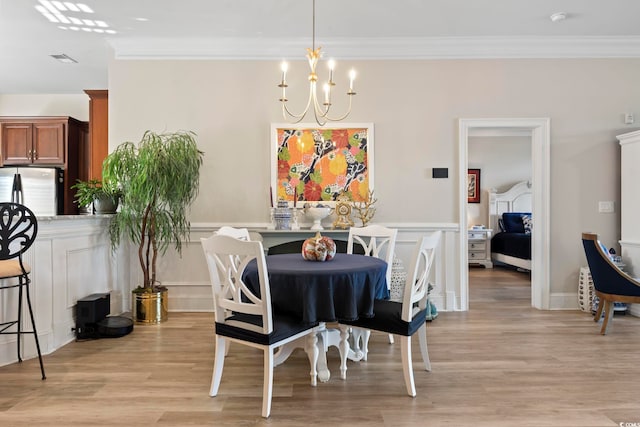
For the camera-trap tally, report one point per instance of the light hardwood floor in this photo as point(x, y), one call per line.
point(500, 364)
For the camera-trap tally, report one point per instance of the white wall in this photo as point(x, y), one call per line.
point(415, 106)
point(76, 106)
point(503, 161)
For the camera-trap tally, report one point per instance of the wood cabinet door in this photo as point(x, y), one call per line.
point(48, 143)
point(16, 143)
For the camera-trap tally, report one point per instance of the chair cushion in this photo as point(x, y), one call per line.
point(283, 328)
point(388, 318)
point(11, 268)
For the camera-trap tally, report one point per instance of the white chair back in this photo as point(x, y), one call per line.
point(417, 285)
point(227, 258)
point(377, 241)
point(238, 233)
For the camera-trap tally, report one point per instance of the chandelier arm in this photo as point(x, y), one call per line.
point(319, 109)
point(316, 109)
point(337, 119)
point(297, 118)
point(288, 116)
point(325, 115)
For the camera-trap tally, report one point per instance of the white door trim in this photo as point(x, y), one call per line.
point(540, 156)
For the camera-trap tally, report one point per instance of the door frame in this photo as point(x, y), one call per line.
point(540, 131)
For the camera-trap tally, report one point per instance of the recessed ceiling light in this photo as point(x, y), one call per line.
point(83, 7)
point(60, 12)
point(72, 6)
point(558, 16)
point(64, 58)
point(141, 19)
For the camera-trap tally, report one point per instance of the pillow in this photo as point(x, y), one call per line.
point(513, 221)
point(527, 221)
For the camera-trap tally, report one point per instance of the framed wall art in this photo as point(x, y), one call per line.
point(473, 186)
point(317, 164)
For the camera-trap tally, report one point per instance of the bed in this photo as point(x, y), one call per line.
point(510, 215)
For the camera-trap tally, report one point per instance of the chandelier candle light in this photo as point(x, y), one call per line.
point(320, 111)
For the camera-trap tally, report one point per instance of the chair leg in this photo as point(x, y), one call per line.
point(390, 339)
point(218, 365)
point(422, 337)
point(608, 316)
point(267, 388)
point(18, 340)
point(407, 365)
point(365, 343)
point(599, 310)
point(360, 339)
point(35, 333)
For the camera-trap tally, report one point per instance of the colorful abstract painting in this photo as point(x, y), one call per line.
point(313, 164)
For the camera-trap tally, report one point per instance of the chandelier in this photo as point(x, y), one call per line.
point(320, 110)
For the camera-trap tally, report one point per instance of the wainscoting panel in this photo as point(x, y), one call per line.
point(188, 279)
point(70, 259)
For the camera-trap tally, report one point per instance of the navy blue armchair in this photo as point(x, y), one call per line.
point(610, 283)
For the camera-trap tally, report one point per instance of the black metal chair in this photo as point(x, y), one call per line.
point(18, 230)
point(609, 282)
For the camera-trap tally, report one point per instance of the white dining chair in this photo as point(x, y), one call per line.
point(243, 317)
point(238, 233)
point(380, 242)
point(409, 316)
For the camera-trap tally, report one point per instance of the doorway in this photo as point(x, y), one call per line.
point(539, 130)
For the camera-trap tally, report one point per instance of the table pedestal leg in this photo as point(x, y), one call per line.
point(313, 352)
point(323, 371)
point(344, 350)
point(284, 351)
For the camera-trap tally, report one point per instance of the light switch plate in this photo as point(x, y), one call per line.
point(605, 207)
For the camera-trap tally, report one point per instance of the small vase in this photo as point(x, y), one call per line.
point(282, 216)
point(105, 205)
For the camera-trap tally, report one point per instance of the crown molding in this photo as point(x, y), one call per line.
point(379, 48)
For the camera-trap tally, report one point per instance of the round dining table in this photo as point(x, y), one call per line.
point(343, 288)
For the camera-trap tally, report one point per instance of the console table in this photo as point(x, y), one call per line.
point(275, 237)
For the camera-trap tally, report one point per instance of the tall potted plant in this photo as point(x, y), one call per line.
point(159, 178)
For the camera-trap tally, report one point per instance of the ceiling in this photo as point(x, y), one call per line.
point(273, 29)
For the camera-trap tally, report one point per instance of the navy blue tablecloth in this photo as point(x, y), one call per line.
point(341, 289)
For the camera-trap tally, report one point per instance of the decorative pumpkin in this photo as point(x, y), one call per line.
point(319, 248)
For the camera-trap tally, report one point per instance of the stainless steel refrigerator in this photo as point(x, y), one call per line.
point(39, 189)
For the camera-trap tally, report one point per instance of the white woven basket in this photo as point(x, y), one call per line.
point(398, 279)
point(585, 290)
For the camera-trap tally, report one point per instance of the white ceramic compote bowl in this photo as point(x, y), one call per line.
point(317, 214)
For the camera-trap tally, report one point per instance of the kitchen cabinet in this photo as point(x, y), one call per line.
point(98, 146)
point(46, 141)
point(39, 141)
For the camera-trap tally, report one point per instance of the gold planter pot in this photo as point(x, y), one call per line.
point(150, 307)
